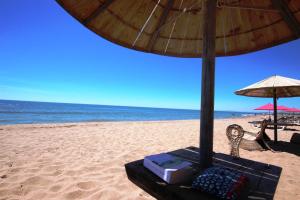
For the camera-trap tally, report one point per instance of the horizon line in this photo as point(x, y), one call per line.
point(92, 104)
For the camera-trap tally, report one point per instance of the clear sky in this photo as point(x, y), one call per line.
point(46, 55)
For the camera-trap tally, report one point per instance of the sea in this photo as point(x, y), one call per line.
point(28, 112)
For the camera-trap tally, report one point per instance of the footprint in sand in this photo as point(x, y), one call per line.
point(55, 173)
point(86, 185)
point(109, 194)
point(36, 180)
point(72, 173)
point(16, 170)
point(77, 194)
point(32, 170)
point(55, 188)
point(3, 176)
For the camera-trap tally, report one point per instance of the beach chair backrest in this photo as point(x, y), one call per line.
point(264, 125)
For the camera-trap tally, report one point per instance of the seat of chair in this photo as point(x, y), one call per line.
point(248, 136)
point(263, 178)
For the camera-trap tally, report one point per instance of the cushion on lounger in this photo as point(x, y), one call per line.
point(221, 182)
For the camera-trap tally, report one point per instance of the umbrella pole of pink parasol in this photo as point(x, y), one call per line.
point(208, 82)
point(275, 114)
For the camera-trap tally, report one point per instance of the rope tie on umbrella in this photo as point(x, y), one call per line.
point(220, 3)
point(171, 33)
point(293, 6)
point(145, 24)
point(224, 4)
point(187, 25)
point(231, 22)
point(186, 9)
point(170, 37)
point(174, 20)
point(224, 37)
point(199, 44)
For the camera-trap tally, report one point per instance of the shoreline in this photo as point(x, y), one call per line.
point(86, 160)
point(22, 112)
point(129, 121)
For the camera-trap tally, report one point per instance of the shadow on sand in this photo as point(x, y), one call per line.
point(288, 147)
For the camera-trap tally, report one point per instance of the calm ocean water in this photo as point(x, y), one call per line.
point(25, 112)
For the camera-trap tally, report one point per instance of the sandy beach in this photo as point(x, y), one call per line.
point(86, 160)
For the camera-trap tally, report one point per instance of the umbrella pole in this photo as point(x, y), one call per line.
point(208, 82)
point(275, 114)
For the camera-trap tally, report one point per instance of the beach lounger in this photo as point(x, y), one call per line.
point(281, 123)
point(289, 121)
point(239, 138)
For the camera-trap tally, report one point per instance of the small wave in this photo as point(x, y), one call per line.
point(5, 120)
point(247, 115)
point(50, 113)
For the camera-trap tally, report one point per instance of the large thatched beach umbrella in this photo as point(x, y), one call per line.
point(273, 87)
point(192, 28)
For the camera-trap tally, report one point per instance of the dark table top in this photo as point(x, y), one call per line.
point(263, 178)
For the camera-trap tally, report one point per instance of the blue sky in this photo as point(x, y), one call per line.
point(46, 55)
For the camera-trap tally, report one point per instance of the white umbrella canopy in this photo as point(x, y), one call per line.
point(273, 87)
point(285, 87)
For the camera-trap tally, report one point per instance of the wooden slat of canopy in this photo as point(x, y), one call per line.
point(242, 26)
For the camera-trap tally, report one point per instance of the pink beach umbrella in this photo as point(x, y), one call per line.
point(293, 110)
point(270, 107)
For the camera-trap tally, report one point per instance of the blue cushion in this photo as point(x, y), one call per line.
point(221, 182)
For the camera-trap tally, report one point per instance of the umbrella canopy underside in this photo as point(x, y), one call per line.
point(174, 28)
